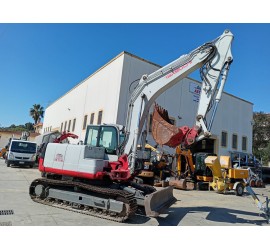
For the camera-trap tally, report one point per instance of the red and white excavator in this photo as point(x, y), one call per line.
point(96, 178)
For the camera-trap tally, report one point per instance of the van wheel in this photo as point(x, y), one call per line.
point(31, 166)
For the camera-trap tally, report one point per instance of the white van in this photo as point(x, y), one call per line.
point(21, 152)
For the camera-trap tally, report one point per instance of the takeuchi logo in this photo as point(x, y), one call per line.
point(59, 157)
point(177, 70)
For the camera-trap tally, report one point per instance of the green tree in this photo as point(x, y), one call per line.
point(29, 126)
point(261, 136)
point(265, 154)
point(37, 112)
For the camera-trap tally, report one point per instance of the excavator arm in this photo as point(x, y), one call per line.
point(213, 59)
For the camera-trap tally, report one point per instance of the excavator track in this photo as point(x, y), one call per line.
point(117, 196)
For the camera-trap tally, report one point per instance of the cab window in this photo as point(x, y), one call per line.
point(108, 139)
point(92, 136)
point(102, 136)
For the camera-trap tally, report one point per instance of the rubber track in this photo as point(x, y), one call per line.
point(127, 198)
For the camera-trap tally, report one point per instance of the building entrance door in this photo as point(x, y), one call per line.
point(205, 145)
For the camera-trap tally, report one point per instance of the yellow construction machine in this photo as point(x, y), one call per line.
point(156, 167)
point(200, 170)
point(192, 173)
point(3, 152)
point(146, 174)
point(225, 177)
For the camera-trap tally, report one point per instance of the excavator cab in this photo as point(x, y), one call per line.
point(106, 136)
point(110, 137)
point(202, 172)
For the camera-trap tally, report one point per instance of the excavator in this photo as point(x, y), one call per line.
point(157, 167)
point(192, 172)
point(189, 173)
point(96, 178)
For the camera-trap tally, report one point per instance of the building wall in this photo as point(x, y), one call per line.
point(67, 108)
point(38, 128)
point(133, 69)
point(233, 116)
point(109, 89)
point(174, 99)
point(99, 92)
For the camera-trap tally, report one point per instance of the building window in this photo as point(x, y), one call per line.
point(99, 117)
point(73, 126)
point(244, 143)
point(84, 121)
point(61, 127)
point(150, 122)
point(65, 127)
point(224, 139)
point(69, 125)
point(92, 118)
point(234, 141)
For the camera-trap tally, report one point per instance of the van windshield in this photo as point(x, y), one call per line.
point(23, 147)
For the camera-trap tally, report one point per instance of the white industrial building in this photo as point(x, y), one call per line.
point(103, 98)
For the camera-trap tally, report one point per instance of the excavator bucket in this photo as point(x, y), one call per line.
point(159, 201)
point(163, 132)
point(178, 183)
point(181, 184)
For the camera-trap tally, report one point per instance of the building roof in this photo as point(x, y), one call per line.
point(139, 58)
point(105, 65)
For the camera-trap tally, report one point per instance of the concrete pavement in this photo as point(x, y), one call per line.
point(193, 208)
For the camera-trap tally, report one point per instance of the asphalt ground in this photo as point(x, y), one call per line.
point(193, 208)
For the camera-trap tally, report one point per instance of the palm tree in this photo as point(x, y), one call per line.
point(37, 112)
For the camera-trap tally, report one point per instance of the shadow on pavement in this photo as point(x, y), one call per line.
point(215, 214)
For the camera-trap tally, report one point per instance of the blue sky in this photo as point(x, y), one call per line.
point(41, 62)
